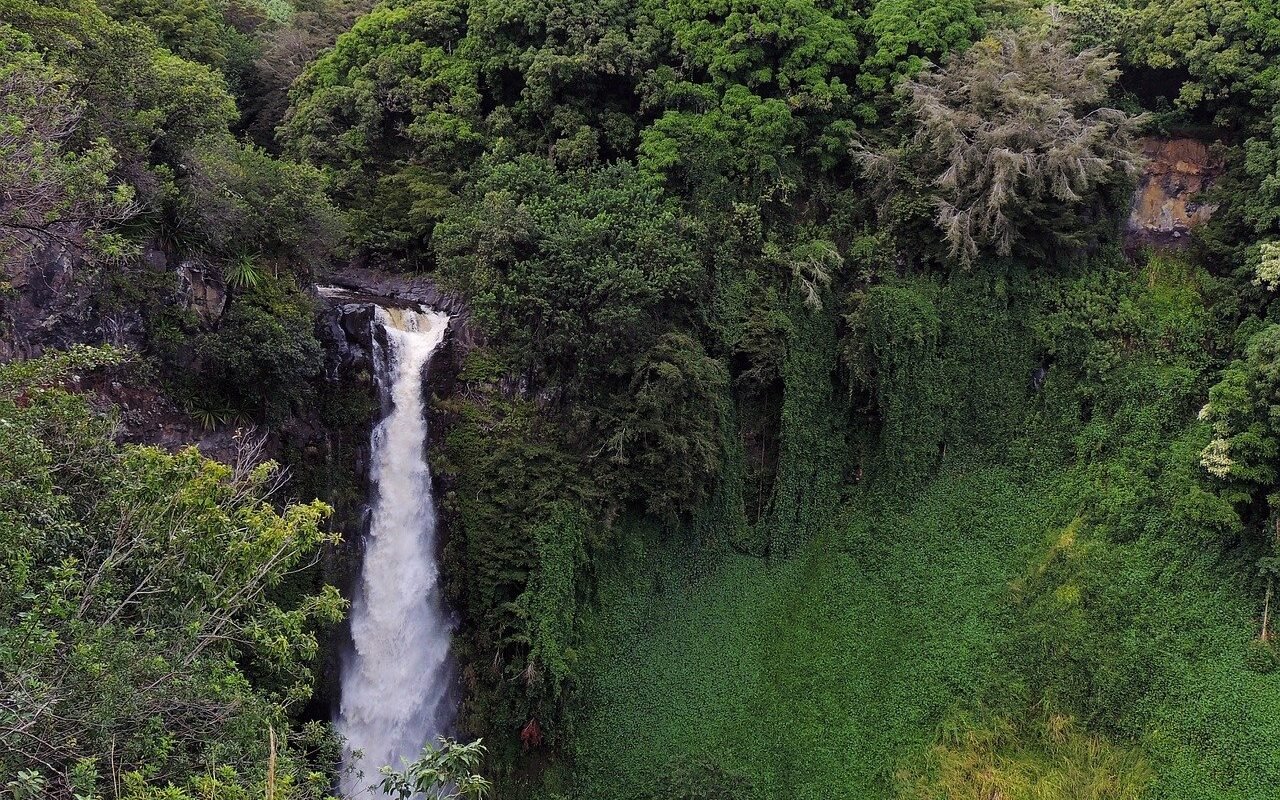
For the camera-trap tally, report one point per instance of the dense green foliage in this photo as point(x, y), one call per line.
point(447, 771)
point(821, 436)
point(115, 142)
point(49, 189)
point(966, 634)
point(577, 270)
point(164, 612)
point(749, 278)
point(144, 645)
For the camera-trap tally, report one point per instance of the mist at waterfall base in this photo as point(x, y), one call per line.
point(396, 676)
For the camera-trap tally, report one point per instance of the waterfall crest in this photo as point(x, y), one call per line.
point(396, 676)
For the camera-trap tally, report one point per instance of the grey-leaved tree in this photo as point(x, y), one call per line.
point(1017, 141)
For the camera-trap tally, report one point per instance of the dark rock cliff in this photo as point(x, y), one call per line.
point(53, 297)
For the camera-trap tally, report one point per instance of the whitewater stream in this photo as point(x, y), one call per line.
point(396, 677)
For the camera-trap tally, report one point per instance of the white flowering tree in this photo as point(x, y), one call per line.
point(1244, 454)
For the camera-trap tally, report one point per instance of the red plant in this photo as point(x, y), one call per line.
point(531, 734)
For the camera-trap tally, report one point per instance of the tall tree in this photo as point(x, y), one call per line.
point(1017, 141)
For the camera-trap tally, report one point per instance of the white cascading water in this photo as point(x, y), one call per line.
point(396, 677)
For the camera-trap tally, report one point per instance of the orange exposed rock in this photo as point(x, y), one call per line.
point(1166, 204)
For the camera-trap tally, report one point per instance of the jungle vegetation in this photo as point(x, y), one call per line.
point(825, 435)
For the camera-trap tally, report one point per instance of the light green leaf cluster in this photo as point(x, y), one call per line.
point(141, 583)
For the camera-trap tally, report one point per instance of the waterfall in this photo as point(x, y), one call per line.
point(396, 677)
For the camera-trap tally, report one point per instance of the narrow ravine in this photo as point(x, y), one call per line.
point(396, 675)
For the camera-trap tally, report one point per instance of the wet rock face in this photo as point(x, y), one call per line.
point(344, 332)
point(349, 293)
point(1167, 202)
point(392, 288)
